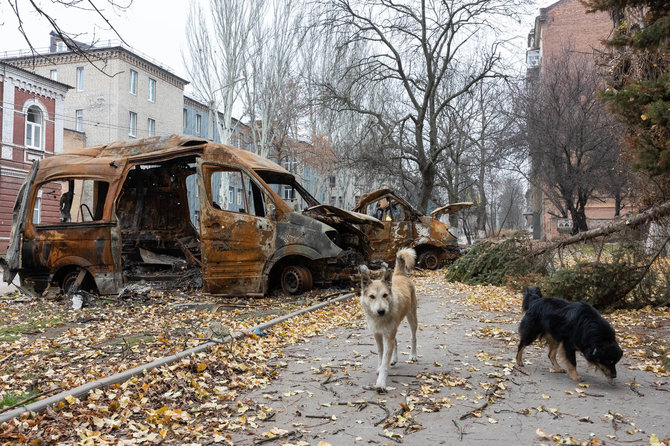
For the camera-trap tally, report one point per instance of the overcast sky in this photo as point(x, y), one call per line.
point(153, 27)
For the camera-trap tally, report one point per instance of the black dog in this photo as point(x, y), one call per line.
point(571, 327)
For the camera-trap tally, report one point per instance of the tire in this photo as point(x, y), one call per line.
point(69, 280)
point(429, 260)
point(296, 279)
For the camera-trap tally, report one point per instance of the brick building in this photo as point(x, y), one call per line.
point(32, 129)
point(564, 25)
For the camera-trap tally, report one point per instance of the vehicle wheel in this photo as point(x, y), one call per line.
point(69, 280)
point(429, 260)
point(296, 279)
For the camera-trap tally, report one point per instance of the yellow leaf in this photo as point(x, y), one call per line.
point(654, 441)
point(644, 117)
point(70, 399)
point(323, 443)
point(201, 367)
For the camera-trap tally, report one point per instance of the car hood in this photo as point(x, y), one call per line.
point(451, 208)
point(327, 213)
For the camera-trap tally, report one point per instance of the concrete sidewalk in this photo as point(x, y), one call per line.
point(463, 390)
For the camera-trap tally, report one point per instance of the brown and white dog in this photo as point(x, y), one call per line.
point(386, 302)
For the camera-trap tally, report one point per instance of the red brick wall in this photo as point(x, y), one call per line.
point(568, 24)
point(9, 188)
point(20, 98)
point(2, 92)
point(10, 185)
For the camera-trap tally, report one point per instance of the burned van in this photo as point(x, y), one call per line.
point(162, 208)
point(404, 226)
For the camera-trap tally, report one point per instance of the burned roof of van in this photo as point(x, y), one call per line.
point(158, 147)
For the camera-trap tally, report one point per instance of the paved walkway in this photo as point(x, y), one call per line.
point(463, 390)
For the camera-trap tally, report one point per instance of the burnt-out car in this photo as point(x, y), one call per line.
point(151, 209)
point(404, 226)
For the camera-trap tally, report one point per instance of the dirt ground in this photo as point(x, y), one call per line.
point(463, 390)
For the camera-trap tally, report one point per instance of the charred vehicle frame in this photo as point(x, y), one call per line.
point(404, 226)
point(152, 209)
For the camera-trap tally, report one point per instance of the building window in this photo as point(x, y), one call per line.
point(289, 193)
point(79, 120)
point(80, 78)
point(133, 81)
point(34, 127)
point(198, 124)
point(151, 126)
point(332, 181)
point(152, 90)
point(37, 210)
point(185, 119)
point(132, 126)
point(53, 75)
point(61, 47)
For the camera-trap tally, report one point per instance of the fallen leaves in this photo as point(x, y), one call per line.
point(183, 400)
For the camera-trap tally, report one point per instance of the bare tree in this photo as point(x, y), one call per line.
point(272, 91)
point(218, 42)
point(573, 142)
point(414, 51)
point(510, 204)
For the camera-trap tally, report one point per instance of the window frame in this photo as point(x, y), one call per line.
point(31, 127)
point(79, 120)
point(132, 124)
point(79, 80)
point(151, 127)
point(151, 95)
point(133, 82)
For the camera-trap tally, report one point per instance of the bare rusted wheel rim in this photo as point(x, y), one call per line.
point(430, 260)
point(296, 279)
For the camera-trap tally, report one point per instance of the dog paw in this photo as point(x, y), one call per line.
point(413, 358)
point(555, 370)
point(576, 378)
point(380, 389)
point(394, 362)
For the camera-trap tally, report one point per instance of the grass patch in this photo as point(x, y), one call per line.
point(12, 398)
point(13, 332)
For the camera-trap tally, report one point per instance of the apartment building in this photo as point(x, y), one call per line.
point(118, 93)
point(564, 24)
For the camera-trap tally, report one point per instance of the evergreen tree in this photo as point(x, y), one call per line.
point(638, 78)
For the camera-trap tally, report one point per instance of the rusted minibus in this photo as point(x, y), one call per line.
point(153, 209)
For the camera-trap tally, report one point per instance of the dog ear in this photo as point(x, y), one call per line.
point(388, 275)
point(365, 276)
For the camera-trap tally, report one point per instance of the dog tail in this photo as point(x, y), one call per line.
point(530, 295)
point(404, 261)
